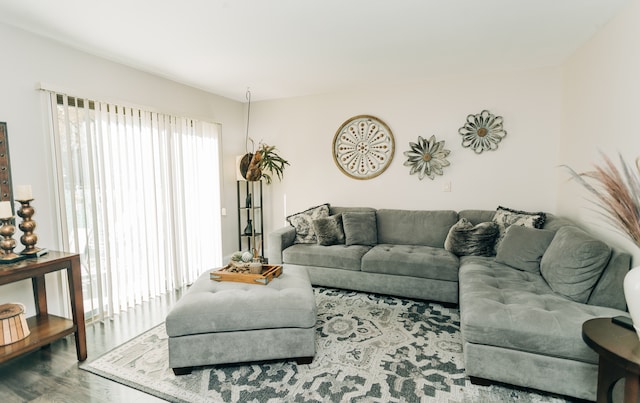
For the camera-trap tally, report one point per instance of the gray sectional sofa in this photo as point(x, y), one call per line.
point(521, 310)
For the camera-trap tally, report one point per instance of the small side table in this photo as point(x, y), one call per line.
point(46, 328)
point(619, 351)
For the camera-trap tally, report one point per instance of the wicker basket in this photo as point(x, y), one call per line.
point(13, 324)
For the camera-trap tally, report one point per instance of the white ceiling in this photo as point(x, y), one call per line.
point(288, 48)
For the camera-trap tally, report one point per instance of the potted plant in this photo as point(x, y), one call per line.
point(617, 193)
point(264, 163)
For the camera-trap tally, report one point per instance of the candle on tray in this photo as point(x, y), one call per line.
point(5, 209)
point(23, 192)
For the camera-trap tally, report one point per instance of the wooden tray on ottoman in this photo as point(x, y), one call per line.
point(269, 272)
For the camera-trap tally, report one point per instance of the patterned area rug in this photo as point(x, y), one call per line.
point(370, 348)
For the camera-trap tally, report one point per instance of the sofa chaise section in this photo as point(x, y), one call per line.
point(516, 329)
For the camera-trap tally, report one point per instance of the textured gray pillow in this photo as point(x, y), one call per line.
point(466, 239)
point(303, 223)
point(360, 228)
point(329, 230)
point(574, 262)
point(523, 247)
point(506, 217)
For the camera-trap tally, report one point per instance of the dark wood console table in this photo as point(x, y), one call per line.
point(46, 328)
point(619, 350)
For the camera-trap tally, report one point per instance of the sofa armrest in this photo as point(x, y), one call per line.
point(279, 240)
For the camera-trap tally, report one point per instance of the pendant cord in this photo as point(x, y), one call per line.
point(246, 139)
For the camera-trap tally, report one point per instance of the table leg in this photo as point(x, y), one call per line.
point(74, 276)
point(608, 374)
point(631, 388)
point(39, 295)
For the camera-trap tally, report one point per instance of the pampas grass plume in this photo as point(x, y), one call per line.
point(617, 194)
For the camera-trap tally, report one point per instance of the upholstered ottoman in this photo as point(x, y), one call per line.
point(229, 322)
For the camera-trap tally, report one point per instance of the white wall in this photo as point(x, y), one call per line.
point(521, 174)
point(602, 106)
point(28, 60)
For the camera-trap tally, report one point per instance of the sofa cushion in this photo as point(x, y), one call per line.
point(303, 223)
point(333, 210)
point(464, 238)
point(408, 227)
point(411, 260)
point(516, 309)
point(574, 262)
point(506, 217)
point(477, 216)
point(329, 230)
point(608, 290)
point(523, 247)
point(360, 228)
point(334, 256)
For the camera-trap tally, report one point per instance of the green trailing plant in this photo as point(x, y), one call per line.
point(617, 194)
point(271, 162)
point(264, 163)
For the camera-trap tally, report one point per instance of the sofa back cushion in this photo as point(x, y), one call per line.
point(608, 291)
point(477, 216)
point(574, 262)
point(337, 209)
point(554, 223)
point(412, 227)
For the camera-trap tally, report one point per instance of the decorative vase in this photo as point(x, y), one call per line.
point(248, 230)
point(255, 267)
point(247, 201)
point(632, 295)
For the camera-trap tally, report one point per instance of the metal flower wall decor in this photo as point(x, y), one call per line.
point(482, 132)
point(427, 157)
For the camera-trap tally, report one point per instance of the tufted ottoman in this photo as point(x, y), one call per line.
point(229, 322)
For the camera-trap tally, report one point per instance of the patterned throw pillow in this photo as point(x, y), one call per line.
point(505, 217)
point(303, 223)
point(466, 239)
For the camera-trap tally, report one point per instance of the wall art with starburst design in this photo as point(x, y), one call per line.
point(363, 147)
point(427, 157)
point(482, 132)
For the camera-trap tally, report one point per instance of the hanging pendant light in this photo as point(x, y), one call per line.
point(245, 162)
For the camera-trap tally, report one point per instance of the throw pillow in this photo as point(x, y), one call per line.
point(506, 217)
point(522, 247)
point(360, 228)
point(574, 262)
point(303, 223)
point(466, 239)
point(329, 230)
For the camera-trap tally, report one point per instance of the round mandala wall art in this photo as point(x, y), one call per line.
point(427, 157)
point(482, 132)
point(363, 147)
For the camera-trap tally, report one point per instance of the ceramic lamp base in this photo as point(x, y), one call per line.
point(632, 296)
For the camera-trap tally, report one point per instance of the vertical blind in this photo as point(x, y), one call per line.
point(138, 197)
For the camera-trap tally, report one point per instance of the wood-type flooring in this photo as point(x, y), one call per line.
point(52, 374)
